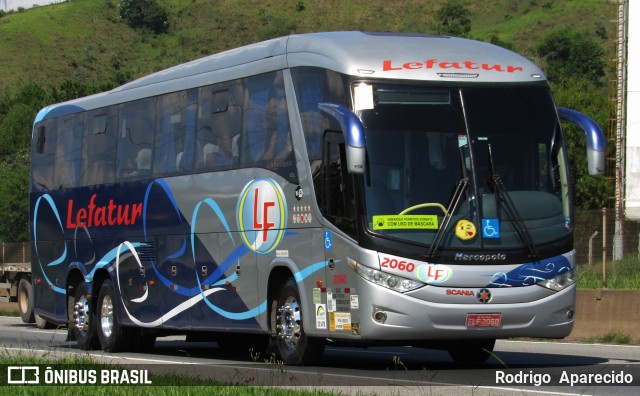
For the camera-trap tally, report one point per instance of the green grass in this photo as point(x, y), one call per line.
point(613, 337)
point(9, 312)
point(525, 22)
point(621, 275)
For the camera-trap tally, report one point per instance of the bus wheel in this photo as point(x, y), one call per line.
point(25, 300)
point(113, 337)
point(83, 321)
point(293, 344)
point(472, 352)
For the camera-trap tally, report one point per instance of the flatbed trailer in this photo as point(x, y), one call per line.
point(15, 278)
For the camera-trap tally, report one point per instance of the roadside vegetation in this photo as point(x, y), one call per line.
point(620, 275)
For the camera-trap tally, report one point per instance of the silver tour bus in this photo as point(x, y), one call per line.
point(346, 187)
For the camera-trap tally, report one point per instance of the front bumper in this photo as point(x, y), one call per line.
point(411, 318)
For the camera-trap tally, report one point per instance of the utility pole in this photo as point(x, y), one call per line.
point(620, 127)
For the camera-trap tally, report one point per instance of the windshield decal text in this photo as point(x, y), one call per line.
point(396, 222)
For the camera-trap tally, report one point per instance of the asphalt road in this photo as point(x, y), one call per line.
point(516, 367)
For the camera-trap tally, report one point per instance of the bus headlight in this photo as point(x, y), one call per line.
point(560, 281)
point(390, 281)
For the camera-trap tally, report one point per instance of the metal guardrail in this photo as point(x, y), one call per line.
point(15, 255)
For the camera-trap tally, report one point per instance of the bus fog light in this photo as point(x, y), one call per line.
point(570, 314)
point(380, 316)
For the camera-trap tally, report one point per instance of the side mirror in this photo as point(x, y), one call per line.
point(353, 132)
point(594, 135)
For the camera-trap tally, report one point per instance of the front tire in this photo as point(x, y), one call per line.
point(113, 337)
point(293, 345)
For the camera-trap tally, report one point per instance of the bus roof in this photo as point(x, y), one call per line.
point(402, 56)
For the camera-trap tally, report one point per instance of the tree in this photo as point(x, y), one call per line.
point(145, 14)
point(16, 128)
point(575, 66)
point(14, 197)
point(454, 19)
point(571, 54)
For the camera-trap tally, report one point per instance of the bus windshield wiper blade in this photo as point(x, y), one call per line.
point(502, 196)
point(461, 187)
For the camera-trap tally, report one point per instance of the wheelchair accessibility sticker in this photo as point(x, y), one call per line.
point(328, 240)
point(491, 228)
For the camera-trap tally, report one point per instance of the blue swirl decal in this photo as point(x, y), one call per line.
point(213, 283)
point(531, 273)
point(63, 256)
point(258, 194)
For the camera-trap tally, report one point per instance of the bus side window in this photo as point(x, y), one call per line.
point(69, 151)
point(174, 135)
point(256, 131)
point(135, 139)
point(266, 138)
point(43, 155)
point(220, 123)
point(338, 196)
point(41, 136)
point(99, 148)
point(313, 86)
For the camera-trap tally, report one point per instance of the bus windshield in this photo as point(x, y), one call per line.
point(500, 147)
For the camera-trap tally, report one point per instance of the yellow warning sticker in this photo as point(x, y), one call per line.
point(397, 222)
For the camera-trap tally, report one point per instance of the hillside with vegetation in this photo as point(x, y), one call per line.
point(58, 52)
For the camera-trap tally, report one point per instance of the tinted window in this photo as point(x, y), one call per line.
point(68, 151)
point(135, 139)
point(99, 147)
point(175, 132)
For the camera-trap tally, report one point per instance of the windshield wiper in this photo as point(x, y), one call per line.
point(502, 196)
point(461, 187)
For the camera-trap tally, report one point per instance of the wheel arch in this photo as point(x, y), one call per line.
point(75, 276)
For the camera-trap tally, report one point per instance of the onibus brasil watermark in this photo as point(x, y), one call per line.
point(35, 375)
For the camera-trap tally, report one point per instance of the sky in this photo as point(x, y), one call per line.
point(8, 5)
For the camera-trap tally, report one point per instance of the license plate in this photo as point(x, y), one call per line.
point(484, 320)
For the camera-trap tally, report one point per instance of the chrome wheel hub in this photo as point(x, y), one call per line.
point(106, 316)
point(289, 323)
point(81, 314)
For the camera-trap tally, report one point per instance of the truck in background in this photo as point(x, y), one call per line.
point(16, 281)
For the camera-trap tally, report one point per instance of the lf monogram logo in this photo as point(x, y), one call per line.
point(262, 215)
point(265, 225)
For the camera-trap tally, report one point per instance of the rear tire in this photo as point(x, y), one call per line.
point(82, 320)
point(472, 352)
point(293, 345)
point(113, 337)
point(25, 300)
